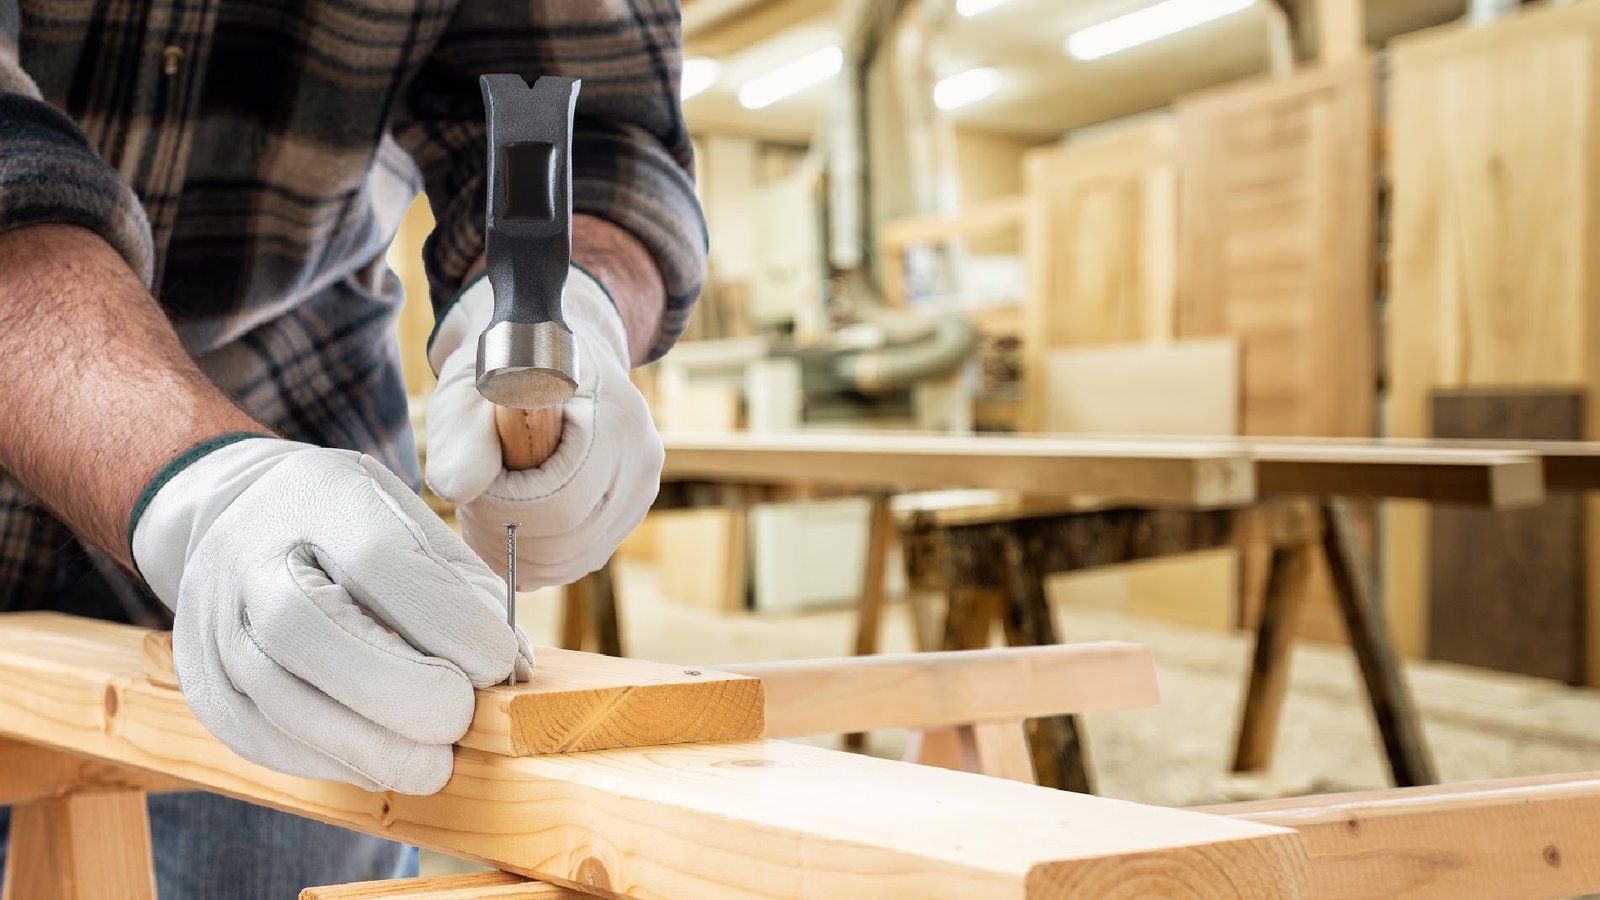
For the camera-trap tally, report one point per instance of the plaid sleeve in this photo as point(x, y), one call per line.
point(48, 171)
point(631, 156)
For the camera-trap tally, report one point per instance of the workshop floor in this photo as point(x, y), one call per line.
point(1479, 724)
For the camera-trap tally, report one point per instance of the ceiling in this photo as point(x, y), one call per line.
point(1043, 91)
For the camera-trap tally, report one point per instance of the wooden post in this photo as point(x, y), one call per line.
point(1341, 30)
point(1369, 638)
point(1287, 577)
point(81, 847)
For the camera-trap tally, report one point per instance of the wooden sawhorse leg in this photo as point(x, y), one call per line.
point(1392, 708)
point(589, 610)
point(1060, 753)
point(1391, 703)
point(79, 829)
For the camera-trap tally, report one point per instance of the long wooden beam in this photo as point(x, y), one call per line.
point(1198, 473)
point(1502, 479)
point(732, 819)
point(1511, 839)
point(932, 690)
point(476, 886)
point(585, 701)
point(1195, 474)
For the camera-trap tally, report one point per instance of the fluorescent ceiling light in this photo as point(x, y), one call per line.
point(699, 73)
point(1148, 24)
point(970, 8)
point(965, 87)
point(791, 78)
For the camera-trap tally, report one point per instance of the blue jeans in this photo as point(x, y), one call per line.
point(208, 847)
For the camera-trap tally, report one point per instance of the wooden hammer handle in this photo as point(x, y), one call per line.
point(527, 436)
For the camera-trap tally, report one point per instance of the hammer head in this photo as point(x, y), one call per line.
point(526, 356)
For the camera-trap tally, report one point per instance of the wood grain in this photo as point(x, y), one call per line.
point(527, 436)
point(92, 846)
point(1101, 238)
point(1514, 839)
point(29, 774)
point(1193, 474)
point(1275, 242)
point(720, 820)
point(1493, 232)
point(476, 886)
point(958, 687)
point(585, 701)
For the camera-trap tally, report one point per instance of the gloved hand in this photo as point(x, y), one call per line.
point(287, 566)
point(574, 510)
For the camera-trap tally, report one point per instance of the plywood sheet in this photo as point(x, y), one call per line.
point(1181, 388)
point(1492, 137)
point(1506, 588)
point(1275, 243)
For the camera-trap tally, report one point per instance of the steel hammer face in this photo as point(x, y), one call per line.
point(526, 356)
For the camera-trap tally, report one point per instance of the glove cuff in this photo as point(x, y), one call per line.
point(186, 495)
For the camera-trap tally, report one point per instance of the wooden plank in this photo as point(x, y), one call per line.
point(1183, 388)
point(1515, 839)
point(30, 774)
point(1275, 242)
point(1506, 587)
point(476, 886)
point(956, 687)
point(585, 701)
point(1493, 229)
point(730, 819)
point(1196, 474)
point(1501, 479)
point(81, 847)
point(1101, 246)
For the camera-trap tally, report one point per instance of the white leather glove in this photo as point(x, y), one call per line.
point(574, 510)
point(328, 624)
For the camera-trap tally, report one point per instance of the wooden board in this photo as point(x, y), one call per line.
point(721, 820)
point(1513, 839)
point(927, 690)
point(1275, 242)
point(92, 846)
point(1503, 479)
point(585, 701)
point(1182, 388)
point(1506, 587)
point(476, 886)
point(1100, 246)
point(1493, 241)
point(1193, 474)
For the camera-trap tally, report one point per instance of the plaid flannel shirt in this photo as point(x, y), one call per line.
point(252, 159)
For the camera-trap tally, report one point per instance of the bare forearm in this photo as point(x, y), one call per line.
point(625, 269)
point(99, 394)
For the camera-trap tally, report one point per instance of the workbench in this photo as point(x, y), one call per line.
point(1088, 502)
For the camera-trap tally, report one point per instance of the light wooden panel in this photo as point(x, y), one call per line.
point(1193, 473)
point(926, 690)
point(1510, 839)
point(1275, 243)
point(476, 886)
point(1100, 245)
point(1180, 388)
point(585, 701)
point(739, 819)
point(1494, 241)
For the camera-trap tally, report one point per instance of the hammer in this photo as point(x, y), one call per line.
point(527, 359)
